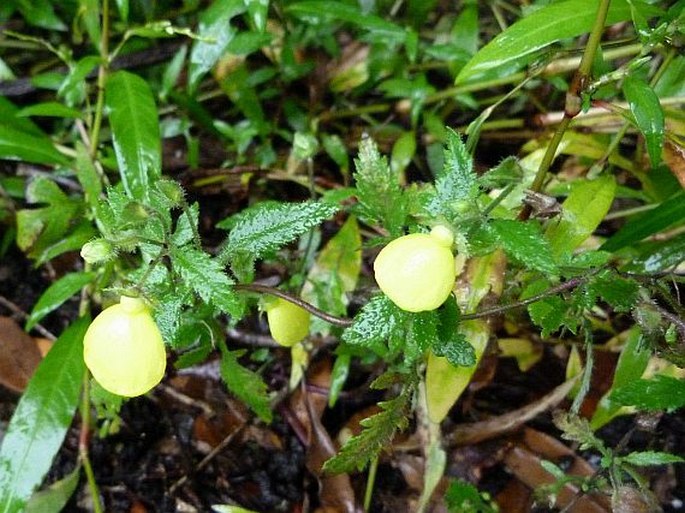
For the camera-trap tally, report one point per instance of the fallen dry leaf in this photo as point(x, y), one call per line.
point(19, 355)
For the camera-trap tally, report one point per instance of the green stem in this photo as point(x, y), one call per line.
point(102, 78)
point(573, 101)
point(370, 482)
point(83, 443)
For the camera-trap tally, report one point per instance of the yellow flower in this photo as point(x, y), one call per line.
point(417, 271)
point(124, 350)
point(288, 323)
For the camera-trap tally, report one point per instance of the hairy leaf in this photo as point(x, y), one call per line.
point(659, 393)
point(375, 323)
point(620, 293)
point(268, 226)
point(378, 431)
point(378, 189)
point(247, 385)
point(649, 458)
point(206, 277)
point(524, 241)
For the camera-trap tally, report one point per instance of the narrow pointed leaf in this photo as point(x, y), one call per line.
point(135, 130)
point(18, 145)
point(648, 114)
point(41, 419)
point(56, 294)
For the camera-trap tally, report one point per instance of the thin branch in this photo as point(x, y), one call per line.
point(264, 289)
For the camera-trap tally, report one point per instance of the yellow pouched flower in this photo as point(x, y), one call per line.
point(417, 271)
point(124, 350)
point(288, 323)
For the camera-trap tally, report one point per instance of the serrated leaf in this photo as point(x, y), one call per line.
point(524, 242)
point(667, 214)
point(457, 181)
point(216, 32)
point(135, 132)
point(374, 324)
point(421, 334)
point(185, 226)
point(378, 431)
point(42, 418)
point(659, 393)
point(247, 385)
point(378, 189)
point(548, 313)
point(268, 226)
point(582, 211)
point(648, 114)
point(457, 351)
point(621, 293)
point(16, 144)
point(56, 294)
point(649, 458)
point(206, 277)
point(551, 23)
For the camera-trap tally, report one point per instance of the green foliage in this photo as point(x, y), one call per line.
point(378, 431)
point(379, 320)
point(247, 385)
point(381, 198)
point(658, 393)
point(463, 497)
point(56, 294)
point(648, 114)
point(269, 225)
point(206, 277)
point(42, 418)
point(525, 243)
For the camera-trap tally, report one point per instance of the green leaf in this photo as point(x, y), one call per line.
point(40, 13)
point(463, 497)
point(268, 226)
point(378, 431)
point(135, 132)
point(258, 11)
point(659, 393)
point(657, 256)
point(72, 242)
point(185, 227)
point(335, 272)
point(649, 458)
point(348, 13)
point(42, 418)
point(457, 183)
point(582, 211)
point(50, 109)
point(376, 322)
point(621, 293)
point(341, 369)
point(648, 114)
point(548, 313)
point(216, 32)
point(547, 25)
point(669, 213)
point(524, 242)
point(206, 277)
point(8, 111)
point(421, 333)
point(247, 385)
point(88, 176)
point(16, 144)
point(54, 497)
point(38, 228)
point(56, 294)
point(378, 189)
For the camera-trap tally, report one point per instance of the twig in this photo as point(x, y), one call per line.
point(18, 311)
point(207, 459)
point(264, 289)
